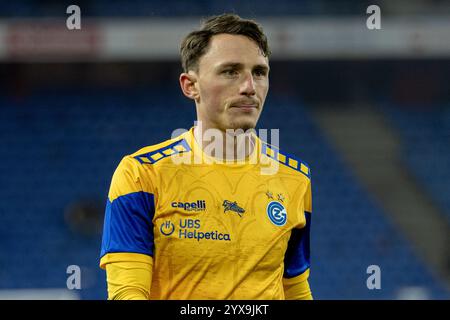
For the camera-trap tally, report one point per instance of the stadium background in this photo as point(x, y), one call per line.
point(369, 110)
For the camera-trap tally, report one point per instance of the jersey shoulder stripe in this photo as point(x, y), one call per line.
point(286, 159)
point(155, 153)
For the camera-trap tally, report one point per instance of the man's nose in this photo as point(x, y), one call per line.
point(248, 85)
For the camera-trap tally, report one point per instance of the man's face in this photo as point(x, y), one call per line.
point(232, 83)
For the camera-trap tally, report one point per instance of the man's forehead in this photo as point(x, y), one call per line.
point(226, 48)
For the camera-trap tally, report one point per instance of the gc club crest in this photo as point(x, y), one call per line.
point(167, 228)
point(277, 213)
point(232, 206)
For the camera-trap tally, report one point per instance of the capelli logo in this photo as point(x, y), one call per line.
point(199, 205)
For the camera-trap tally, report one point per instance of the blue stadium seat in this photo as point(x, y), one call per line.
point(425, 133)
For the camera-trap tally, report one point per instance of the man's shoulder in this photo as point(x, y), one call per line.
point(292, 163)
point(154, 153)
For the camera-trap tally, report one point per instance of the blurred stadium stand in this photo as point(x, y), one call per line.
point(64, 128)
point(180, 8)
point(141, 8)
point(425, 131)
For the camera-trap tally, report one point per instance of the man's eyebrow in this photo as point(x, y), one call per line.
point(262, 67)
point(230, 65)
point(238, 65)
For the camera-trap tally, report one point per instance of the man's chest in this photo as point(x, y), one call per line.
point(224, 214)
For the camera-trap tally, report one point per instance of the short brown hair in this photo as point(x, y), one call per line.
point(195, 44)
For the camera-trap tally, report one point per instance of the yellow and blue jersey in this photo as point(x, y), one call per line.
point(210, 230)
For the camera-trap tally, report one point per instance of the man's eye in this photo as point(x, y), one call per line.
point(229, 72)
point(260, 73)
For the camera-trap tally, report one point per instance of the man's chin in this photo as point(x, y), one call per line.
point(243, 125)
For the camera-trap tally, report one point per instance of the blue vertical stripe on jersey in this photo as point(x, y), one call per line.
point(296, 259)
point(128, 224)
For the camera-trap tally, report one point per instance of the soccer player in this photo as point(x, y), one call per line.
point(187, 221)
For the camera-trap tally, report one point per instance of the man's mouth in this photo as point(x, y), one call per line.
point(244, 106)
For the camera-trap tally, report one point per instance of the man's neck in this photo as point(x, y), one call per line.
point(228, 145)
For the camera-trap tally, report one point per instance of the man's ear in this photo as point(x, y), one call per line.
point(188, 84)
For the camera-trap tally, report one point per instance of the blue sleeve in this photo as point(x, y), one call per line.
point(297, 257)
point(128, 224)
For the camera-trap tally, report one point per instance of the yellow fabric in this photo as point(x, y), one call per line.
point(128, 179)
point(215, 252)
point(129, 280)
point(297, 288)
point(124, 257)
